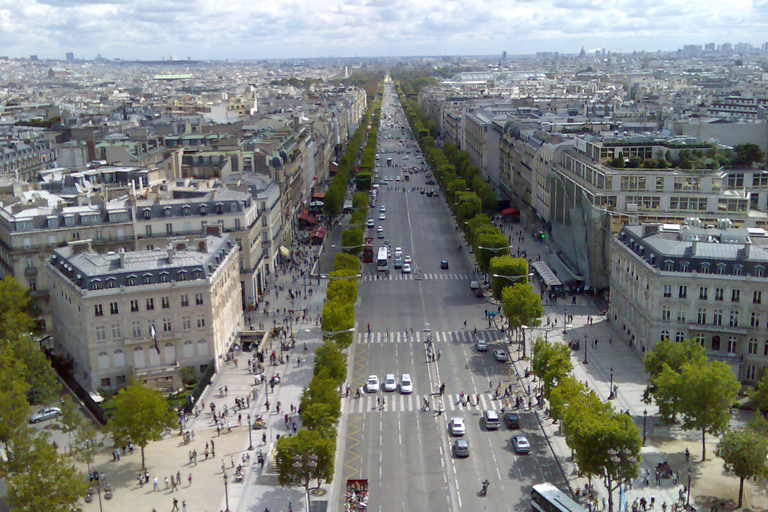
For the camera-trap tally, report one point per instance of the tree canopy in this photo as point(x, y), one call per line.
point(745, 452)
point(141, 415)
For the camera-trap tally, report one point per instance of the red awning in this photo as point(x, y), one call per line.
point(318, 195)
point(511, 211)
point(319, 232)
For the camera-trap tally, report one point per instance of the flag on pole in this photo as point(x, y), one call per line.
point(153, 333)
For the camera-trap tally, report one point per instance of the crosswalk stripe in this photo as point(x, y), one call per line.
point(405, 336)
point(397, 402)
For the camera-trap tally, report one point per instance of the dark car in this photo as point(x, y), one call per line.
point(444, 264)
point(512, 419)
point(461, 448)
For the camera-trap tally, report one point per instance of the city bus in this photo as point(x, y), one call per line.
point(548, 498)
point(382, 261)
point(368, 251)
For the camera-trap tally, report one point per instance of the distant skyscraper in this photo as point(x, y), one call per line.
point(70, 57)
point(504, 56)
point(33, 58)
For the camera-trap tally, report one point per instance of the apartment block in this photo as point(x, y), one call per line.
point(145, 314)
point(688, 282)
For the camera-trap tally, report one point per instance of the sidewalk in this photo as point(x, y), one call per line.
point(202, 484)
point(610, 359)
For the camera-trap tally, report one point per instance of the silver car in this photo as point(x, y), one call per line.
point(45, 414)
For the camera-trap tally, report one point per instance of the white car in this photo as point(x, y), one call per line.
point(372, 386)
point(406, 384)
point(390, 383)
point(407, 259)
point(457, 427)
point(397, 178)
point(406, 268)
point(383, 216)
point(380, 229)
point(398, 250)
point(45, 414)
point(382, 208)
point(370, 223)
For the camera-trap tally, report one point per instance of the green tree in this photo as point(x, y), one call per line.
point(745, 452)
point(506, 266)
point(70, 418)
point(141, 415)
point(608, 446)
point(489, 245)
point(305, 457)
point(88, 442)
point(746, 154)
point(48, 482)
point(338, 316)
point(703, 392)
point(352, 241)
point(551, 363)
point(342, 290)
point(321, 390)
point(521, 306)
point(672, 355)
point(760, 395)
point(343, 261)
point(331, 362)
point(467, 205)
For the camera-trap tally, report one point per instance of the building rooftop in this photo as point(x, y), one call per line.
point(89, 270)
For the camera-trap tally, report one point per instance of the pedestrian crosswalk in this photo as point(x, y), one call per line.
point(488, 335)
point(397, 276)
point(395, 402)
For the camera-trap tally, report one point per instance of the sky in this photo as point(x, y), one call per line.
point(274, 29)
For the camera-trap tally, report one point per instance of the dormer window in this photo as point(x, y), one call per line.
point(147, 213)
point(167, 211)
point(185, 209)
point(203, 209)
point(219, 208)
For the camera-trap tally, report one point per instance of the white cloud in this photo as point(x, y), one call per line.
point(241, 29)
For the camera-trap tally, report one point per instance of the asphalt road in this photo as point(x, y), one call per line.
point(404, 451)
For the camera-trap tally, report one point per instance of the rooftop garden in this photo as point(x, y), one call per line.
point(706, 157)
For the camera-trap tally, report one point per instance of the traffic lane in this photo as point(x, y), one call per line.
point(411, 464)
point(393, 305)
point(449, 301)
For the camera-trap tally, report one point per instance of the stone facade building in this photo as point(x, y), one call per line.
point(685, 282)
point(145, 314)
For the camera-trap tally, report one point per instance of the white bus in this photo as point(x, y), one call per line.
point(382, 261)
point(548, 498)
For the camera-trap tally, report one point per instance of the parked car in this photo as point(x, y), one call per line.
point(47, 413)
point(481, 345)
point(520, 444)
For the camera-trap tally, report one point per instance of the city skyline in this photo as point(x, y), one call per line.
point(207, 30)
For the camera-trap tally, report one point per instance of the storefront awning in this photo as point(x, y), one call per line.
point(284, 251)
point(511, 211)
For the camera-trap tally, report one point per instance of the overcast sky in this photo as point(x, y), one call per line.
point(257, 29)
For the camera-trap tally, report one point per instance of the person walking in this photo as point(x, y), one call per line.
point(175, 505)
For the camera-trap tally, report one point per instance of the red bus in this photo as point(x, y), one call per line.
point(368, 251)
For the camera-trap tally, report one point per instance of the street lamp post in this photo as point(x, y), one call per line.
point(645, 418)
point(688, 497)
point(586, 345)
point(565, 320)
point(611, 395)
point(96, 478)
point(250, 439)
point(302, 464)
point(226, 492)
